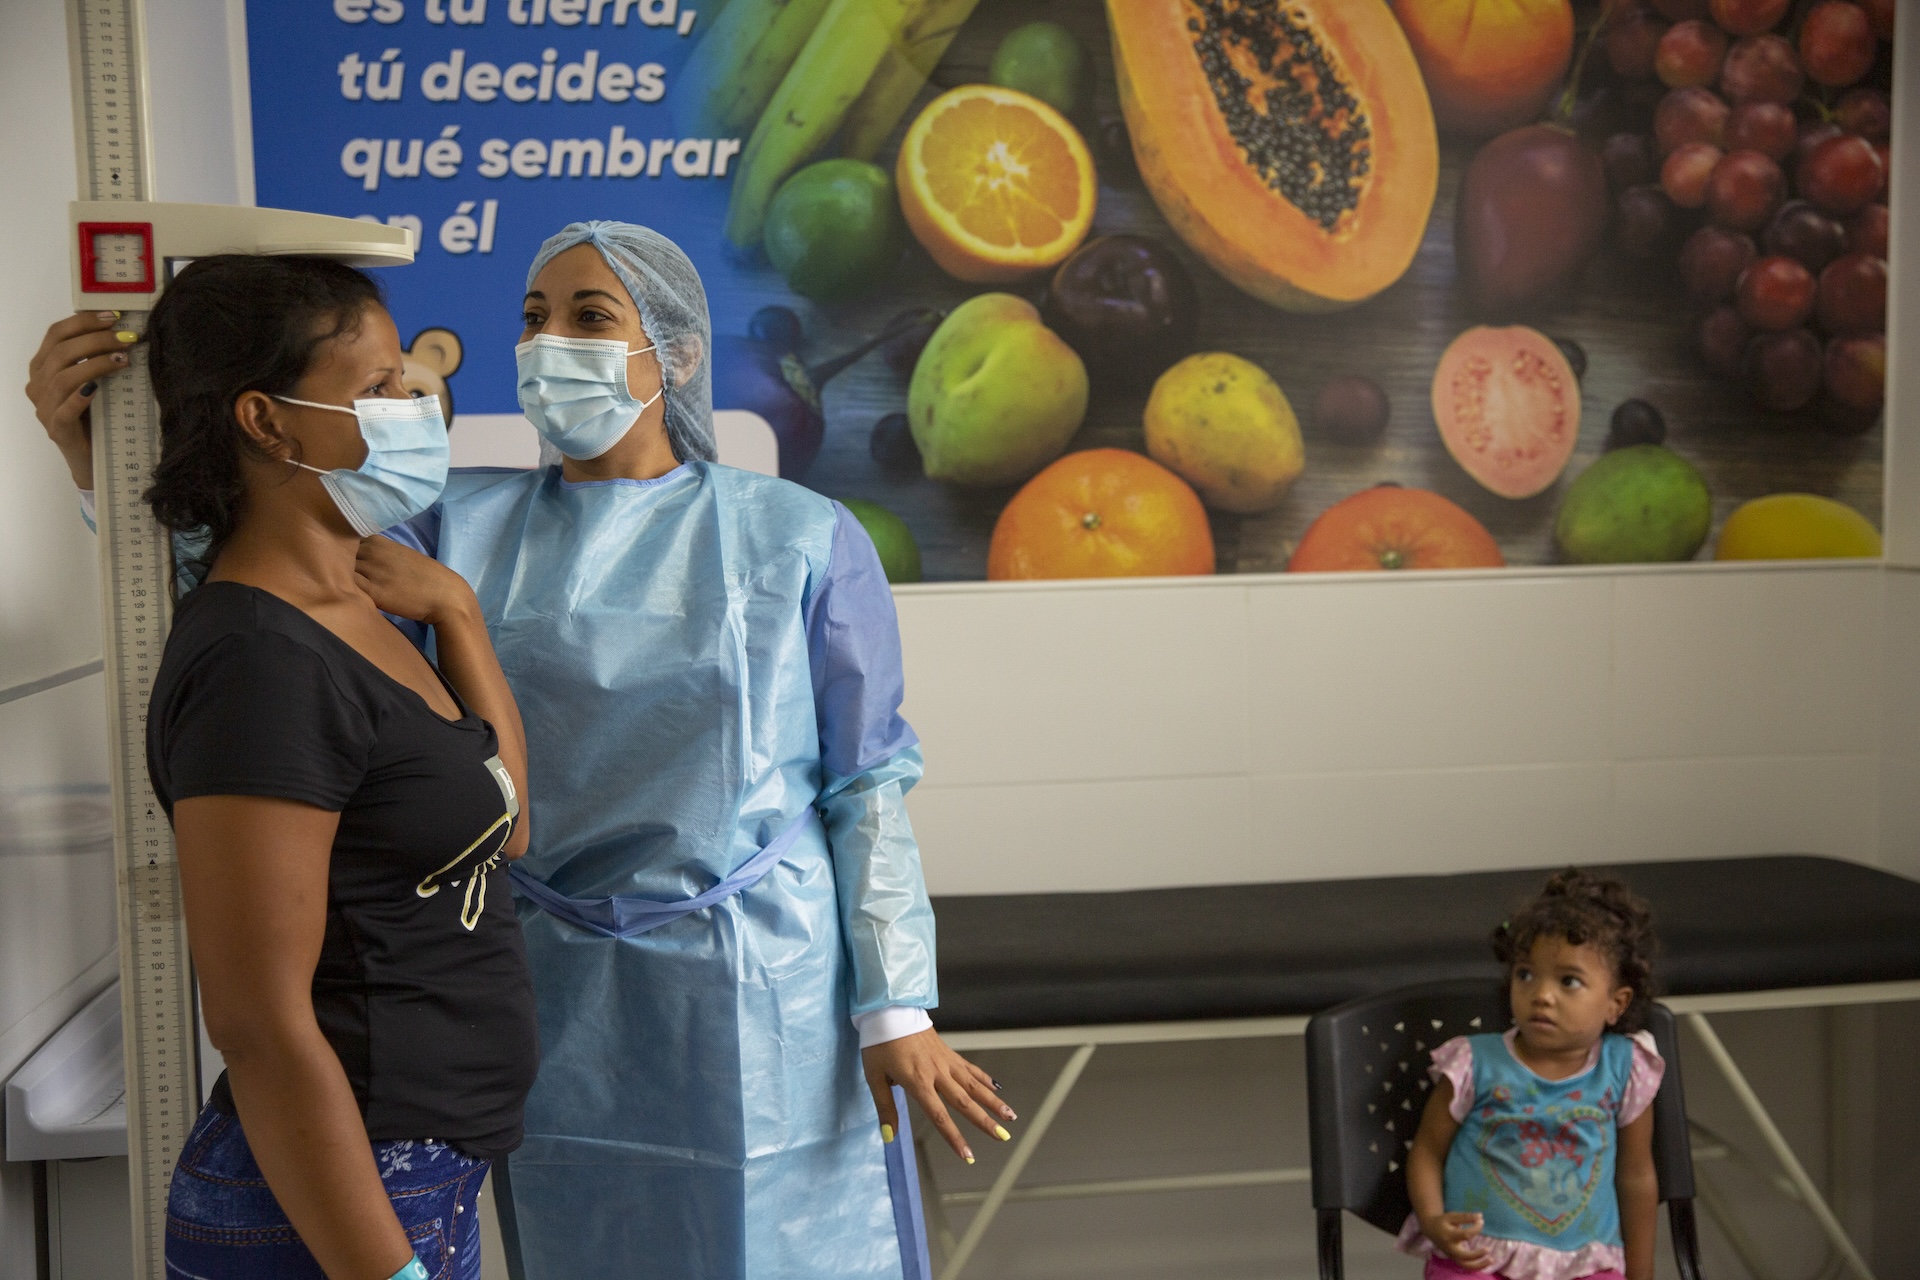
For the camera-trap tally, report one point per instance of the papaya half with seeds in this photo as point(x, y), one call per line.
point(1291, 146)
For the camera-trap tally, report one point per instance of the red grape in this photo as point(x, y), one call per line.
point(1856, 372)
point(1836, 43)
point(1689, 115)
point(1867, 231)
point(1748, 17)
point(1680, 10)
point(1690, 53)
point(1744, 190)
point(1812, 134)
point(1804, 234)
point(1775, 293)
point(1628, 158)
point(1852, 295)
point(1867, 112)
point(1766, 127)
point(1761, 69)
point(1632, 41)
point(1711, 261)
point(1723, 341)
point(1880, 14)
point(1642, 220)
point(1783, 369)
point(1841, 175)
point(1685, 174)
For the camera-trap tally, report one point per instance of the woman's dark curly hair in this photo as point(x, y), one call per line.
point(1589, 910)
point(228, 324)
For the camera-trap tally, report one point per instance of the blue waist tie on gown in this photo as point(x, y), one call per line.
point(701, 662)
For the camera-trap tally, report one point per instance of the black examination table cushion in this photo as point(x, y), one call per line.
point(1253, 950)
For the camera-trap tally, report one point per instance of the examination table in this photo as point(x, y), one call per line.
point(1081, 970)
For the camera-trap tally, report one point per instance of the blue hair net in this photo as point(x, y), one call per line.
point(673, 306)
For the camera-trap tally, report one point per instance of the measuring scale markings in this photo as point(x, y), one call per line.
point(156, 994)
point(110, 98)
point(156, 990)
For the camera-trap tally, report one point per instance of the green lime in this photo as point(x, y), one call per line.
point(833, 229)
point(1043, 59)
point(899, 553)
point(1643, 503)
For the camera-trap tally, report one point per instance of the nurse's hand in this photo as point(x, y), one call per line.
point(935, 1077)
point(62, 376)
point(407, 584)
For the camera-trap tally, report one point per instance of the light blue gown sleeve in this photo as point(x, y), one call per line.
point(870, 759)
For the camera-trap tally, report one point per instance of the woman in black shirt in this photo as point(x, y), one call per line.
point(340, 806)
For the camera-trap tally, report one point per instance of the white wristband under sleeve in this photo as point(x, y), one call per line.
point(88, 509)
point(892, 1023)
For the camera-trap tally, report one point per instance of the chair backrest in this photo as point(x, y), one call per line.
point(1367, 1086)
point(1672, 1144)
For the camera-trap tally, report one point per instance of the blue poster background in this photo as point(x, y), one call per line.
point(309, 131)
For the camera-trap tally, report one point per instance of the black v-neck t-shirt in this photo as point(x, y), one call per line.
point(422, 986)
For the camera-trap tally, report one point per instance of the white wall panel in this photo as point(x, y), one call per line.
point(1061, 836)
point(1746, 662)
point(1429, 821)
point(1899, 687)
point(1730, 806)
point(1017, 686)
point(1400, 674)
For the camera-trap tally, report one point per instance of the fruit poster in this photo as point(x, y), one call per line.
point(1064, 288)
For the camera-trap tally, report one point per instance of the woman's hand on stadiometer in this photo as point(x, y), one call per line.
point(934, 1076)
point(61, 378)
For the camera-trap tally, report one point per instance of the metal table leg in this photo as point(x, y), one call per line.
point(1790, 1163)
point(1022, 1152)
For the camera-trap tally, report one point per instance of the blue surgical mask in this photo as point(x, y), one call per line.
point(406, 466)
point(574, 392)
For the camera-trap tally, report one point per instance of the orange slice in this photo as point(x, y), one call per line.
point(995, 183)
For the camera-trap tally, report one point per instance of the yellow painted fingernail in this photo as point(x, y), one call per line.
point(127, 335)
point(969, 1157)
point(886, 1133)
point(1000, 1132)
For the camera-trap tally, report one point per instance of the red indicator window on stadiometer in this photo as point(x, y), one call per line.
point(117, 257)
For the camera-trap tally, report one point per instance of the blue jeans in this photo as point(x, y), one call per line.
point(223, 1221)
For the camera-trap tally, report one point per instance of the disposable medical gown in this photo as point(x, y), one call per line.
point(699, 660)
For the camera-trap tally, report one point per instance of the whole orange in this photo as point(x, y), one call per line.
point(1489, 64)
point(1102, 513)
point(1388, 527)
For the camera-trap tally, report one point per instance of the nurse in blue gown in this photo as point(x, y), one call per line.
point(729, 934)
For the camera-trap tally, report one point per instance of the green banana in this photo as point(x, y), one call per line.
point(903, 70)
point(831, 71)
point(739, 63)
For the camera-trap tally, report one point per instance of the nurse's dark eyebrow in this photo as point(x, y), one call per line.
point(580, 295)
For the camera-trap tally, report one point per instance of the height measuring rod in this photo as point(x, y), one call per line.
point(125, 248)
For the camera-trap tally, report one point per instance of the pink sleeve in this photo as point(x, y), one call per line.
point(1643, 1079)
point(1453, 1062)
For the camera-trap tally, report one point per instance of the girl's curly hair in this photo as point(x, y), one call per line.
point(1589, 910)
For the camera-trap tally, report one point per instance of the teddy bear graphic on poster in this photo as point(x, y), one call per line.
point(432, 358)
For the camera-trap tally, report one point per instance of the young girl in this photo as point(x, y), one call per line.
point(1534, 1159)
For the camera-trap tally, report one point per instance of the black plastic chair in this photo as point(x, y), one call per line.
point(1367, 1085)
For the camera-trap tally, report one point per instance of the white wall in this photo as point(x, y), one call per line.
point(55, 902)
point(1224, 730)
point(56, 872)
